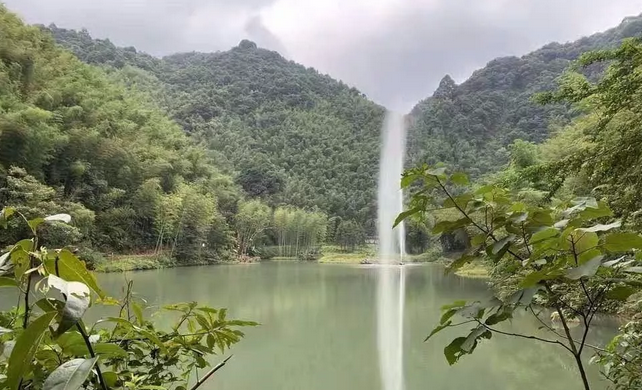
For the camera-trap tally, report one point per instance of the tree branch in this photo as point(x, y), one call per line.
point(523, 336)
point(463, 212)
point(209, 373)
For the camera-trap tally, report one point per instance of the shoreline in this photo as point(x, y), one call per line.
point(143, 262)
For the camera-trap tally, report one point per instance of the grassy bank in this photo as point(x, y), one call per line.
point(476, 270)
point(334, 254)
point(121, 263)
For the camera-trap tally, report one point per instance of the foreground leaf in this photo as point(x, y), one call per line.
point(77, 303)
point(453, 350)
point(20, 361)
point(71, 269)
point(585, 270)
point(622, 242)
point(70, 376)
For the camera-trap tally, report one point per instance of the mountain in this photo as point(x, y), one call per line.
point(471, 126)
point(287, 133)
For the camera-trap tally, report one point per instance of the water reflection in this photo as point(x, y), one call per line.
point(319, 329)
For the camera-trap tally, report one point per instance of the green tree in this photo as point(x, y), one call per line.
point(49, 344)
point(572, 257)
point(252, 219)
point(350, 235)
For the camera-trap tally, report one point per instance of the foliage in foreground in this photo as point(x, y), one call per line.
point(46, 344)
point(572, 257)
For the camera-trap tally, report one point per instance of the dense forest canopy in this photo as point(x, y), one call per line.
point(470, 126)
point(288, 134)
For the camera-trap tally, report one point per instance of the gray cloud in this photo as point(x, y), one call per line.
point(263, 37)
point(395, 51)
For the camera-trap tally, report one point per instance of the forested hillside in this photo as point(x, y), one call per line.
point(288, 134)
point(73, 141)
point(471, 126)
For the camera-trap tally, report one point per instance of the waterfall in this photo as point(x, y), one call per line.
point(391, 287)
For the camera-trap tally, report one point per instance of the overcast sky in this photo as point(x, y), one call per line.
point(395, 51)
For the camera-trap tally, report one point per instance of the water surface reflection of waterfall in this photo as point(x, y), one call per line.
point(391, 288)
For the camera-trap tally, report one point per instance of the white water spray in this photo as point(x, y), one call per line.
point(391, 291)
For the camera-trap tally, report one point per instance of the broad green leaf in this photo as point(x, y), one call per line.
point(405, 214)
point(478, 239)
point(71, 375)
point(7, 282)
point(138, 312)
point(561, 224)
point(469, 345)
point(5, 214)
point(541, 218)
point(586, 256)
point(34, 223)
point(76, 304)
point(585, 270)
point(614, 262)
point(453, 350)
point(407, 180)
point(449, 226)
point(485, 189)
point(460, 201)
point(621, 293)
point(581, 241)
point(459, 178)
point(590, 213)
point(73, 270)
point(543, 234)
point(48, 356)
point(502, 244)
point(532, 279)
point(109, 351)
point(66, 218)
point(438, 329)
point(72, 343)
point(498, 317)
point(111, 379)
point(438, 172)
point(50, 304)
point(20, 260)
point(603, 228)
point(622, 242)
point(519, 217)
point(20, 361)
point(453, 305)
point(447, 315)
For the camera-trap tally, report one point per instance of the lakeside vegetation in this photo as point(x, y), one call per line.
point(195, 159)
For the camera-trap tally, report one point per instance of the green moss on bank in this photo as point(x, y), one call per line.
point(123, 263)
point(476, 270)
point(334, 254)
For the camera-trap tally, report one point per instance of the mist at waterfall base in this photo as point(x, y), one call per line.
point(391, 285)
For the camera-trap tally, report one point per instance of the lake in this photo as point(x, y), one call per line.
point(318, 329)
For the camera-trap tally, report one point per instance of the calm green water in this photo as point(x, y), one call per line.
point(318, 329)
